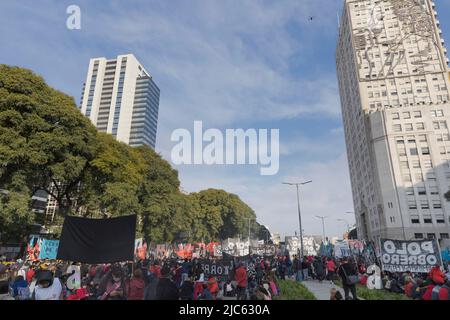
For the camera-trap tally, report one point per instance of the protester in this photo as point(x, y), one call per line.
point(166, 288)
point(187, 289)
point(241, 279)
point(136, 286)
point(335, 294)
point(331, 267)
point(348, 273)
point(305, 267)
point(20, 289)
point(47, 287)
point(112, 286)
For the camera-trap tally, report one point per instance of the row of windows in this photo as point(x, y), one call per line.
point(431, 236)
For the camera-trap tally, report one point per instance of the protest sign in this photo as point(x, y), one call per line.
point(292, 245)
point(445, 249)
point(236, 247)
point(221, 269)
point(311, 246)
point(74, 280)
point(48, 249)
point(341, 249)
point(414, 256)
point(356, 247)
point(374, 279)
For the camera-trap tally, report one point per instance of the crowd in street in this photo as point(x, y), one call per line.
point(350, 271)
point(255, 278)
point(153, 279)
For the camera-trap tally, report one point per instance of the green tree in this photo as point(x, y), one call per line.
point(43, 137)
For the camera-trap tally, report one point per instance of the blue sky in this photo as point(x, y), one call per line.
point(232, 64)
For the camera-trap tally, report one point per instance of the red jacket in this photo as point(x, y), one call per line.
point(331, 266)
point(437, 275)
point(241, 277)
point(135, 290)
point(409, 289)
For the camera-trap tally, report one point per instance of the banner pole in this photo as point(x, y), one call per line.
point(439, 253)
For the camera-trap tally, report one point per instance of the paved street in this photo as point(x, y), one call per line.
point(321, 290)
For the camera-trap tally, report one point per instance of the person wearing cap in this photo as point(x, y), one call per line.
point(47, 287)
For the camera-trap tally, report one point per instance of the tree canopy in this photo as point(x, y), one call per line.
point(46, 143)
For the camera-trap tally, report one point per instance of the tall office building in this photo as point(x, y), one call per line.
point(121, 98)
point(394, 86)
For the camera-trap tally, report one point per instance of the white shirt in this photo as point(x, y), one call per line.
point(51, 293)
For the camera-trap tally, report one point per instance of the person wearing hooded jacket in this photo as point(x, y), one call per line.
point(136, 286)
point(166, 289)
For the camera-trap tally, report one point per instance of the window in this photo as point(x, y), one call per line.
point(397, 128)
point(443, 235)
point(409, 191)
point(437, 204)
point(400, 141)
point(420, 126)
point(412, 204)
point(422, 138)
point(415, 221)
point(417, 114)
point(434, 190)
point(404, 165)
point(431, 176)
point(421, 191)
point(439, 113)
point(418, 235)
point(409, 127)
point(425, 150)
point(427, 220)
point(413, 151)
point(430, 236)
point(407, 177)
point(406, 115)
point(424, 205)
point(427, 164)
point(395, 116)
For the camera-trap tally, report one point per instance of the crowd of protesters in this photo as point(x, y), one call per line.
point(172, 279)
point(351, 271)
point(152, 279)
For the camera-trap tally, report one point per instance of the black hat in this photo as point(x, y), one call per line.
point(44, 275)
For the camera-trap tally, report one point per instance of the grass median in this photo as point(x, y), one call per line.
point(368, 294)
point(293, 290)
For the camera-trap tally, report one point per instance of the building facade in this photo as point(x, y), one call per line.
point(121, 98)
point(394, 85)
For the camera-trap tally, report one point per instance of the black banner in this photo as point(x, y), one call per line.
point(97, 240)
point(414, 256)
point(221, 269)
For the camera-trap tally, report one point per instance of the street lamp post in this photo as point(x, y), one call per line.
point(298, 207)
point(323, 226)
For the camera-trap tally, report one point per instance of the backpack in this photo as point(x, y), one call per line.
point(23, 293)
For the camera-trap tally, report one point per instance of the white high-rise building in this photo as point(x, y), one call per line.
point(121, 98)
point(394, 86)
